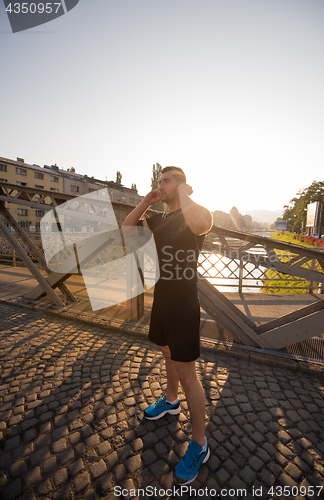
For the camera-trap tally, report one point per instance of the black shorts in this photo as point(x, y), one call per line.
point(178, 328)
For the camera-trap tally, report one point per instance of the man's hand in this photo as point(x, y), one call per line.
point(184, 188)
point(153, 197)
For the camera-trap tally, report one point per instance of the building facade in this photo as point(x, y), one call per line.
point(52, 178)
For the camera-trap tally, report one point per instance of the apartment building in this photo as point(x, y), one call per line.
point(52, 178)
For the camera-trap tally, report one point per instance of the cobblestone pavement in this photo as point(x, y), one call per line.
point(72, 398)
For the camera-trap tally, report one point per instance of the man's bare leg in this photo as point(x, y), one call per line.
point(195, 398)
point(172, 376)
point(186, 373)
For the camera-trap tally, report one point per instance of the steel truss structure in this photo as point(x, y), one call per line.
point(282, 257)
point(298, 261)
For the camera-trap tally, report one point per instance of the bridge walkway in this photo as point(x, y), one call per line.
point(260, 308)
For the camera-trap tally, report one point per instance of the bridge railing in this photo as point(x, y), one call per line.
point(226, 273)
point(234, 275)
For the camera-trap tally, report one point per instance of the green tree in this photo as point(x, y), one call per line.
point(296, 211)
point(134, 187)
point(71, 169)
point(273, 226)
point(118, 177)
point(156, 174)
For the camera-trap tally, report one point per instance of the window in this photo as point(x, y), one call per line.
point(132, 200)
point(22, 211)
point(21, 183)
point(124, 199)
point(3, 180)
point(55, 190)
point(54, 178)
point(3, 167)
point(40, 213)
point(24, 224)
point(21, 171)
point(38, 186)
point(38, 175)
point(75, 189)
point(37, 225)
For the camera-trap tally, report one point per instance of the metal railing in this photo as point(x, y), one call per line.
point(234, 275)
point(225, 273)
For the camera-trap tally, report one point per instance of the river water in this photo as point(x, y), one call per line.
point(225, 271)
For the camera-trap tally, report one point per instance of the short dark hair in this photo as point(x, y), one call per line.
point(177, 172)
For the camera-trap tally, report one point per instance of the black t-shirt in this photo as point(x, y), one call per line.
point(178, 249)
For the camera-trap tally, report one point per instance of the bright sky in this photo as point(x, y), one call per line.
point(229, 90)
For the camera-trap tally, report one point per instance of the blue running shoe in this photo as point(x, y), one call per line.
point(160, 408)
point(188, 467)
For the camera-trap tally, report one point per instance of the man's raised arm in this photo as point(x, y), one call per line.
point(152, 198)
point(198, 218)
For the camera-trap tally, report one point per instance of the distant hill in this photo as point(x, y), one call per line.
point(265, 216)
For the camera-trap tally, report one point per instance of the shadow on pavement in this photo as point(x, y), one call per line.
point(72, 402)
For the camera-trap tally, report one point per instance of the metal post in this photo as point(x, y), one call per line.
point(240, 287)
point(31, 266)
point(320, 218)
point(311, 283)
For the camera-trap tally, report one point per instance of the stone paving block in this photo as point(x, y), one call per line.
point(45, 488)
point(148, 457)
point(32, 477)
point(125, 452)
point(285, 451)
point(76, 467)
point(230, 466)
point(106, 483)
point(98, 468)
point(65, 492)
point(104, 448)
point(60, 432)
point(12, 490)
point(159, 468)
point(60, 477)
point(18, 468)
point(223, 476)
point(66, 456)
point(39, 456)
point(255, 463)
point(112, 459)
point(263, 455)
point(50, 465)
point(81, 481)
point(3, 479)
point(247, 474)
point(238, 459)
point(60, 445)
point(293, 471)
point(93, 440)
point(11, 444)
point(134, 463)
